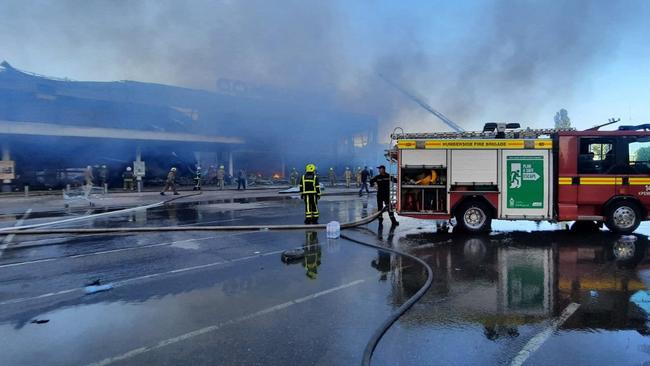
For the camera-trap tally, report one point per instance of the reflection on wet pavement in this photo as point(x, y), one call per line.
point(507, 286)
point(492, 294)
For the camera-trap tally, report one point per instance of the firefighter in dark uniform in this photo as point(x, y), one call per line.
point(310, 193)
point(383, 181)
point(128, 177)
point(312, 251)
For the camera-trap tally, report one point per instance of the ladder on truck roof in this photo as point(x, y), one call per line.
point(508, 134)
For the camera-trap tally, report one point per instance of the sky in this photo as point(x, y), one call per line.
point(475, 61)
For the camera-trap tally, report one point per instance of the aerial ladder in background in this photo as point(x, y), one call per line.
point(454, 126)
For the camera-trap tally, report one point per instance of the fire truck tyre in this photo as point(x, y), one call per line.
point(473, 217)
point(623, 217)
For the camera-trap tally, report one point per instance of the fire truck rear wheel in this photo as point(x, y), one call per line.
point(474, 217)
point(624, 217)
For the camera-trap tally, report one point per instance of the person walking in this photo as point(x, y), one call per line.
point(348, 176)
point(310, 193)
point(365, 176)
point(241, 179)
point(128, 178)
point(383, 181)
point(221, 175)
point(332, 177)
point(171, 182)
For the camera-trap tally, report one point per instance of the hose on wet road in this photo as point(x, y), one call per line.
point(383, 328)
point(372, 343)
point(20, 230)
point(144, 229)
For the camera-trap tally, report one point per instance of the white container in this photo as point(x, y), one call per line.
point(333, 229)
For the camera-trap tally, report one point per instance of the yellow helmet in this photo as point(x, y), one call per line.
point(310, 168)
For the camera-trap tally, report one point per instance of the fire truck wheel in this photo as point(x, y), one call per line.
point(474, 217)
point(623, 217)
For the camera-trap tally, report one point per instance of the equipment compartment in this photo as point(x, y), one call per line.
point(423, 189)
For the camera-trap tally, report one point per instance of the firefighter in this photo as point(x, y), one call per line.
point(171, 182)
point(365, 175)
point(358, 176)
point(294, 177)
point(88, 176)
point(312, 251)
point(310, 193)
point(128, 177)
point(383, 181)
point(221, 175)
point(103, 175)
point(197, 179)
point(348, 176)
point(241, 179)
point(332, 177)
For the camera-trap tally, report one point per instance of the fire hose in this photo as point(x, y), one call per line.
point(383, 328)
point(372, 343)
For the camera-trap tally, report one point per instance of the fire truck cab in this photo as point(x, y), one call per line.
point(514, 174)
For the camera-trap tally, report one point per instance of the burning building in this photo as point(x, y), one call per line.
point(50, 126)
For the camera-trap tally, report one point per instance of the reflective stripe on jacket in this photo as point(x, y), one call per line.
point(309, 184)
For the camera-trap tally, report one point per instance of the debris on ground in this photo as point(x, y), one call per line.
point(292, 255)
point(95, 286)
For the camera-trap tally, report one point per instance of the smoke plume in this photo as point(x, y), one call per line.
point(488, 60)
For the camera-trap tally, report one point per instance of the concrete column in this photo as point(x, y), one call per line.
point(138, 179)
point(6, 156)
point(230, 170)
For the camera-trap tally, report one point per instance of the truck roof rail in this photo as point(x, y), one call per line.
point(527, 133)
point(644, 127)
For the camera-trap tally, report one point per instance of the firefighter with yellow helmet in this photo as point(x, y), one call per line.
point(221, 175)
point(310, 193)
point(170, 183)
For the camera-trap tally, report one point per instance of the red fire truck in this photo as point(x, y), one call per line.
point(504, 172)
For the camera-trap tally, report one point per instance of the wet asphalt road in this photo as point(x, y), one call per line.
point(524, 294)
